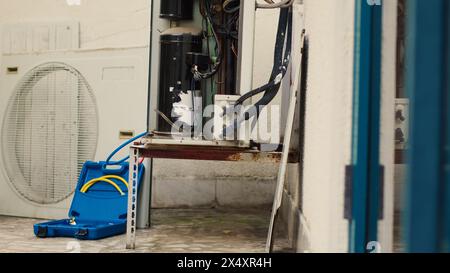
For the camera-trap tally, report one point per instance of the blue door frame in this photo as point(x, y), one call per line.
point(427, 226)
point(366, 127)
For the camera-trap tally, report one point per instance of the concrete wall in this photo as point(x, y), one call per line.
point(328, 124)
point(106, 24)
point(313, 207)
point(314, 195)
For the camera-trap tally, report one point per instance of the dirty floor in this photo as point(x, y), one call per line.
point(173, 231)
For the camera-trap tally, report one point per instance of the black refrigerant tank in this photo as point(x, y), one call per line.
point(177, 9)
point(174, 71)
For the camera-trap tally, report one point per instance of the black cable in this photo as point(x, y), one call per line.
point(272, 92)
point(281, 63)
point(231, 6)
point(202, 75)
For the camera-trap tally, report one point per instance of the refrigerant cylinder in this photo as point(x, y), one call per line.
point(177, 9)
point(179, 95)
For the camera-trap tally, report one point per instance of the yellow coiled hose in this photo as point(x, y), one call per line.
point(107, 179)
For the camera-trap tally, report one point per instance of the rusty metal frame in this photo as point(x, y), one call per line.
point(163, 147)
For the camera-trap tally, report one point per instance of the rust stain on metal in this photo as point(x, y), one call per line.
point(256, 157)
point(276, 158)
point(235, 157)
point(207, 153)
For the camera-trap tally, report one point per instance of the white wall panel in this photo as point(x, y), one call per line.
point(330, 28)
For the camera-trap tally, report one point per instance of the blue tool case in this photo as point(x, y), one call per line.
point(99, 212)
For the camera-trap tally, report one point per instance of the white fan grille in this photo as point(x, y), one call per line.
point(49, 131)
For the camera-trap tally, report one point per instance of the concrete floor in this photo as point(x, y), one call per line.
point(179, 231)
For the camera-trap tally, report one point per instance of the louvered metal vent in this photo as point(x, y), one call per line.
point(49, 131)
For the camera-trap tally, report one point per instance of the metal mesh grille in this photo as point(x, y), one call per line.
point(49, 131)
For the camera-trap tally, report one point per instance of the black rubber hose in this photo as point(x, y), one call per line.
point(272, 92)
point(279, 62)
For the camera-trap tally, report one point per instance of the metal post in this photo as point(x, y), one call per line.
point(282, 170)
point(132, 197)
point(288, 135)
point(426, 83)
point(366, 186)
point(145, 197)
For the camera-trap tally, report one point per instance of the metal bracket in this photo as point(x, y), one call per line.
point(348, 203)
point(81, 234)
point(348, 192)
